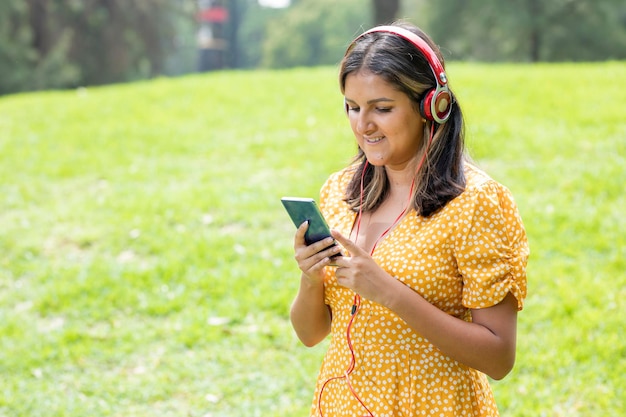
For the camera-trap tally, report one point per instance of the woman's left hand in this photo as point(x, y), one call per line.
point(361, 273)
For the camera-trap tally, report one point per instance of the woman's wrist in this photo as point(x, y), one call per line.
point(311, 283)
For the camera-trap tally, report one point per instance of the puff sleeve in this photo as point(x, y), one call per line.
point(491, 247)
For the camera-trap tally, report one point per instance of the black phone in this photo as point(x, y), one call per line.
point(306, 209)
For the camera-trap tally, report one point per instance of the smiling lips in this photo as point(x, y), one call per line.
point(373, 141)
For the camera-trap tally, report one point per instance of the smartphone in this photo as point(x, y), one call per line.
point(303, 209)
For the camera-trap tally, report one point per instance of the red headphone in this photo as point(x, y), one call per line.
point(436, 105)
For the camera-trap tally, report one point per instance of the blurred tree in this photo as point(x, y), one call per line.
point(530, 30)
point(117, 40)
point(251, 30)
point(313, 32)
point(180, 44)
point(65, 43)
point(385, 11)
point(33, 50)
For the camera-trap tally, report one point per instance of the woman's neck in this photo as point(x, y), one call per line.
point(400, 181)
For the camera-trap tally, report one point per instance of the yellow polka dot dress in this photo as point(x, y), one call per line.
point(468, 255)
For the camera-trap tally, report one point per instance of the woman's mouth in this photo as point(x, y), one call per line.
point(375, 140)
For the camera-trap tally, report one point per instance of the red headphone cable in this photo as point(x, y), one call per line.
point(356, 304)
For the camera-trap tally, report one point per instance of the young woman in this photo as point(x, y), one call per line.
point(423, 304)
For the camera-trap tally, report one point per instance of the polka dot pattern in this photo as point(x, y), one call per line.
point(469, 255)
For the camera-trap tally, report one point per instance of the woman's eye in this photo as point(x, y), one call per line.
point(383, 109)
point(353, 109)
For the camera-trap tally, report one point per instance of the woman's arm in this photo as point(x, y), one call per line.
point(310, 316)
point(486, 344)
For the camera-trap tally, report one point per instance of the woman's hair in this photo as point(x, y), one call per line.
point(440, 178)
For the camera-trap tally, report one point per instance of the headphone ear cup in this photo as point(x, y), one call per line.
point(436, 105)
point(426, 105)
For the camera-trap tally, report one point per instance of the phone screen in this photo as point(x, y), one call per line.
point(303, 209)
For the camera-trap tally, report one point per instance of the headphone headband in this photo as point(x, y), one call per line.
point(437, 103)
point(435, 65)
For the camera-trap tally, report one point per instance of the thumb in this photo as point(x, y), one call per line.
point(348, 244)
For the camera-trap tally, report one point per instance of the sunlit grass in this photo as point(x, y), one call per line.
point(145, 259)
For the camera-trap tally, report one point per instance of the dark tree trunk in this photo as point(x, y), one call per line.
point(385, 11)
point(535, 31)
point(37, 20)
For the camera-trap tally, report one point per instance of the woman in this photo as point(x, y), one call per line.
point(423, 304)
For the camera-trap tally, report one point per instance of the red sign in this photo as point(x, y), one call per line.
point(214, 15)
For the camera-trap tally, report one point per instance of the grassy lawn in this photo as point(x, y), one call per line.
point(146, 263)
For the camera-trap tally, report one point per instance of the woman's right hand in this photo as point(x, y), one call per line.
point(313, 258)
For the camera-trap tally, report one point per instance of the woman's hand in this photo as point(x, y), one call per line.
point(310, 316)
point(313, 258)
point(361, 273)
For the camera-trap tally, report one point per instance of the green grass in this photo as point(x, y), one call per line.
point(146, 264)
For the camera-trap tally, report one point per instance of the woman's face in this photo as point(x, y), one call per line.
point(385, 122)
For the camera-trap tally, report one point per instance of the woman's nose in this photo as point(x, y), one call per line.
point(363, 124)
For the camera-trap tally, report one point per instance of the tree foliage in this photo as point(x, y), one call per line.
point(62, 43)
point(47, 44)
point(314, 32)
point(530, 30)
point(29, 58)
point(252, 28)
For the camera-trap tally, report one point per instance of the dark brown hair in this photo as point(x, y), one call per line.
point(402, 65)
